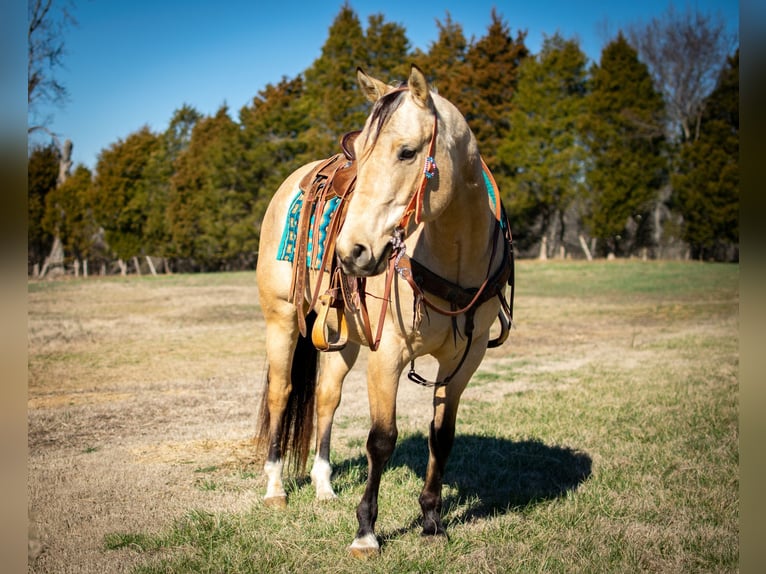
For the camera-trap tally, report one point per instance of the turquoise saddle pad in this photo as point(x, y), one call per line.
point(286, 251)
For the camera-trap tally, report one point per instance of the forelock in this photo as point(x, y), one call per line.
point(384, 109)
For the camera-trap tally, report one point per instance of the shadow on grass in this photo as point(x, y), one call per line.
point(492, 475)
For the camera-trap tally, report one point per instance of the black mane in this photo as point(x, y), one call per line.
point(383, 109)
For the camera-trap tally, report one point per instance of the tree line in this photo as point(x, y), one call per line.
point(635, 155)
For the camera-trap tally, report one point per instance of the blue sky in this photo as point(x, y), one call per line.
point(132, 63)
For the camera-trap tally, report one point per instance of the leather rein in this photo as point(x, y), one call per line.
point(349, 292)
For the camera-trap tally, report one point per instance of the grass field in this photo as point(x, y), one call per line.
point(602, 437)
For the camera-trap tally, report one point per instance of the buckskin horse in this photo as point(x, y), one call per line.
point(400, 244)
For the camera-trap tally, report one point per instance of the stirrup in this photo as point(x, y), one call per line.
point(319, 331)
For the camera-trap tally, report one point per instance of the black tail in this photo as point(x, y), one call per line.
point(298, 422)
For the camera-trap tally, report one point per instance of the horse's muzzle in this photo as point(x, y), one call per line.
point(361, 262)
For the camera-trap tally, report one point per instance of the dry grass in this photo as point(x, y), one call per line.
point(610, 417)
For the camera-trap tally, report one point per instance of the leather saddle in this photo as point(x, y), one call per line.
point(333, 177)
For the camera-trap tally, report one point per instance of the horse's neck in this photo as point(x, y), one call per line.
point(460, 240)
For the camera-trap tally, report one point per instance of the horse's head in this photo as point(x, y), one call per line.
point(406, 125)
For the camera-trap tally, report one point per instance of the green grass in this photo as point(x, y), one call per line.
point(618, 453)
point(645, 279)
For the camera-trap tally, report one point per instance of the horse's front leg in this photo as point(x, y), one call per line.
point(334, 368)
point(382, 383)
point(442, 434)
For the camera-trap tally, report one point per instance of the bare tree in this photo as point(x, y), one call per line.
point(685, 52)
point(46, 23)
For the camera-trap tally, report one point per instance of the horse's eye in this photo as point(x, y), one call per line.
point(406, 153)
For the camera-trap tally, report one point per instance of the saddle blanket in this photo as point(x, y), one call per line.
point(286, 251)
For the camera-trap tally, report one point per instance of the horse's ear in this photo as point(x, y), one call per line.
point(372, 88)
point(419, 86)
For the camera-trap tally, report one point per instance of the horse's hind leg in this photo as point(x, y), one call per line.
point(281, 337)
point(280, 344)
point(334, 368)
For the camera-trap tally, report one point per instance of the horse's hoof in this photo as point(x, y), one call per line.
point(434, 539)
point(326, 496)
point(433, 529)
point(275, 501)
point(364, 547)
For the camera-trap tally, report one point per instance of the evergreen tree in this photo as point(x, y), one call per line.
point(212, 219)
point(489, 86)
point(707, 185)
point(42, 174)
point(158, 174)
point(387, 50)
point(332, 97)
point(177, 136)
point(626, 142)
point(121, 195)
point(446, 60)
point(271, 144)
point(543, 153)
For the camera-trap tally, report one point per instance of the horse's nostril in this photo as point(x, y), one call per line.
point(357, 259)
point(358, 251)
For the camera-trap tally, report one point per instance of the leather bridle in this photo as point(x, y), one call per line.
point(415, 205)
